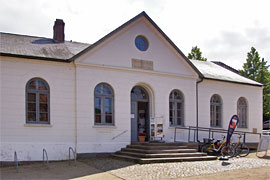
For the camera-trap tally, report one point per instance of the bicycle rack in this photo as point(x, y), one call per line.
point(16, 161)
point(47, 161)
point(74, 155)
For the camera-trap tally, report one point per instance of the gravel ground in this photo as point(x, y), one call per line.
point(131, 171)
point(184, 169)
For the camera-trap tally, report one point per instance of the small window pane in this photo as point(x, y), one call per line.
point(43, 117)
point(43, 107)
point(31, 106)
point(179, 121)
point(171, 120)
point(32, 85)
point(42, 85)
point(97, 105)
point(98, 118)
point(179, 114)
point(43, 98)
point(108, 119)
point(98, 89)
point(106, 90)
point(31, 97)
point(31, 116)
point(108, 105)
point(179, 106)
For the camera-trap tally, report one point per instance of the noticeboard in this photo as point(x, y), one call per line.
point(264, 143)
point(156, 127)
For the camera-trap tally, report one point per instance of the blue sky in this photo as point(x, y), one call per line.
point(223, 30)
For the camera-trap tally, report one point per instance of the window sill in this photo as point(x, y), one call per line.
point(37, 125)
point(104, 126)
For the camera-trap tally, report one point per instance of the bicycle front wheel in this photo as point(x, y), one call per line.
point(227, 151)
point(242, 150)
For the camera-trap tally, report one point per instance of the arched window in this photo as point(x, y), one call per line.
point(37, 101)
point(215, 111)
point(104, 108)
point(242, 112)
point(176, 108)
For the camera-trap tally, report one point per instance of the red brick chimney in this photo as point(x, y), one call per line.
point(59, 30)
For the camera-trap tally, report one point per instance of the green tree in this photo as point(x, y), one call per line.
point(196, 54)
point(258, 70)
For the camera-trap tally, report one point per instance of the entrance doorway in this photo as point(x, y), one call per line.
point(139, 113)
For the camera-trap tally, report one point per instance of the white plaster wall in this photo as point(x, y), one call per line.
point(230, 93)
point(29, 140)
point(100, 139)
point(119, 49)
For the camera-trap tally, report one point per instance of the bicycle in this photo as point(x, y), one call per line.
point(240, 149)
point(219, 148)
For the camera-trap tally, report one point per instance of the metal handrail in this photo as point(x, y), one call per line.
point(211, 132)
point(16, 161)
point(74, 155)
point(119, 134)
point(47, 160)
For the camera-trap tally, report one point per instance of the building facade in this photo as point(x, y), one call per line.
point(97, 98)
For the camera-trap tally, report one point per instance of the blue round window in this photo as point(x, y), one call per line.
point(141, 43)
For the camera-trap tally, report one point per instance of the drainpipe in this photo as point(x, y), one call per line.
point(197, 109)
point(75, 108)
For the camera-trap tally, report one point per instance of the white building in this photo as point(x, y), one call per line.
point(57, 94)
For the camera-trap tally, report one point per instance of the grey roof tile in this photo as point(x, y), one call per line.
point(22, 45)
point(213, 71)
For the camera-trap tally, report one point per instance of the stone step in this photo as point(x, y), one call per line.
point(163, 160)
point(159, 151)
point(147, 147)
point(163, 155)
point(190, 144)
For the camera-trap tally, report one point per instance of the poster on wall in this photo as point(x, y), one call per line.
point(152, 130)
point(159, 130)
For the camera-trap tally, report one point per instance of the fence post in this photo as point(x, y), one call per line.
point(16, 161)
point(174, 134)
point(189, 134)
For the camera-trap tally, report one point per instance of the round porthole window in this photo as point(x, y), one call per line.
point(141, 43)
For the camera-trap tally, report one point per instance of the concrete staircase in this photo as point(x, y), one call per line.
point(159, 152)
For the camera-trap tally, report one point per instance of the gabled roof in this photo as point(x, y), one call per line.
point(142, 14)
point(213, 71)
point(41, 48)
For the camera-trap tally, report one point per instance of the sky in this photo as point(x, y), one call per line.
point(224, 30)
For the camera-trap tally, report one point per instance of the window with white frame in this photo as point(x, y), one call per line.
point(176, 108)
point(104, 105)
point(37, 102)
point(215, 111)
point(242, 112)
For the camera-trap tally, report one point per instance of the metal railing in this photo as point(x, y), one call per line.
point(119, 134)
point(74, 155)
point(16, 161)
point(210, 131)
point(47, 160)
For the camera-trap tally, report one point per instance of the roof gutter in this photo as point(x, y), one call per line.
point(35, 57)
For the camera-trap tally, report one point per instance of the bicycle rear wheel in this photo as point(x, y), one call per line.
point(242, 150)
point(227, 151)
